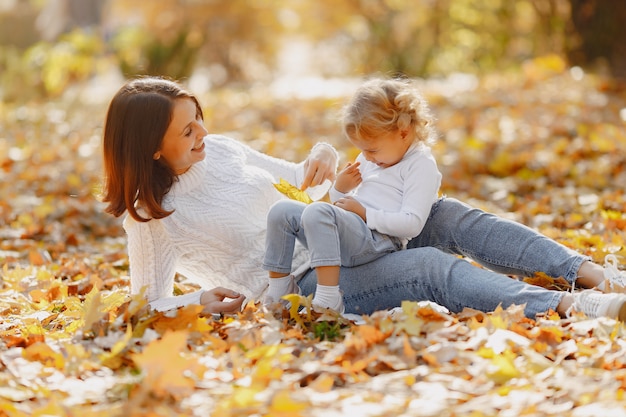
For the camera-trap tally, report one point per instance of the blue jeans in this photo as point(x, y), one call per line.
point(430, 269)
point(332, 235)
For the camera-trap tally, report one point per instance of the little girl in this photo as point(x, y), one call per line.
point(380, 202)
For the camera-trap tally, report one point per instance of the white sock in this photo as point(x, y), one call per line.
point(278, 287)
point(327, 296)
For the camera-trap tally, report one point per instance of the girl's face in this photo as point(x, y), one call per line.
point(183, 143)
point(386, 150)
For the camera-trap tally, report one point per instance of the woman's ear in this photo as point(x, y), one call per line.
point(157, 155)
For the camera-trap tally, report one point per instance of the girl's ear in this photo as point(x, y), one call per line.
point(157, 155)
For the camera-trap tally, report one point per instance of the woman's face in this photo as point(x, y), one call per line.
point(183, 143)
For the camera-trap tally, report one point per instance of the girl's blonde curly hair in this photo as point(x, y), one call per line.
point(380, 106)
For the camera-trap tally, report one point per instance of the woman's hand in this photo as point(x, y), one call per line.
point(319, 166)
point(350, 204)
point(213, 301)
point(348, 178)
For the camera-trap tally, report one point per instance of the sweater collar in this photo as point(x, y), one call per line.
point(190, 180)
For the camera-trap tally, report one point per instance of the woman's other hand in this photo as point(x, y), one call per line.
point(213, 301)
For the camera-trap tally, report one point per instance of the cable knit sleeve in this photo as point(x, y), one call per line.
point(280, 168)
point(152, 265)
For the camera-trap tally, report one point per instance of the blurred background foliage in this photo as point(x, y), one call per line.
point(48, 45)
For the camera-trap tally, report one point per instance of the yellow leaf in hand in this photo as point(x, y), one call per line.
point(293, 192)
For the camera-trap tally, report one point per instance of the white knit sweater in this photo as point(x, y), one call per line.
point(216, 235)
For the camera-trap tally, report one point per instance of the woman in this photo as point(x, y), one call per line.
point(197, 205)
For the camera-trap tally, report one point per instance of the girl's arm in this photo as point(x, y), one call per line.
point(420, 191)
point(347, 180)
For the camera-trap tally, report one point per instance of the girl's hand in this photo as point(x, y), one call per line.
point(319, 166)
point(213, 301)
point(350, 204)
point(348, 178)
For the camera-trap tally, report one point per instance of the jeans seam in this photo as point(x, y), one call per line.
point(379, 290)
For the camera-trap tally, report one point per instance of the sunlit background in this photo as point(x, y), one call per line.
point(298, 45)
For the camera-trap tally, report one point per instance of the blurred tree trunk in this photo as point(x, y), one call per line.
point(599, 33)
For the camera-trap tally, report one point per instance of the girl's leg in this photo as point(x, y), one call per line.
point(496, 243)
point(430, 274)
point(338, 237)
point(283, 227)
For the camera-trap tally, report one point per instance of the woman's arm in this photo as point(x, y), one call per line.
point(151, 258)
point(152, 270)
point(152, 265)
point(321, 164)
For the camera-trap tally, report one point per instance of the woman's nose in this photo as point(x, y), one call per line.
point(203, 131)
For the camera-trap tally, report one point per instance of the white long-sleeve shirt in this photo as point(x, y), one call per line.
point(397, 199)
point(216, 235)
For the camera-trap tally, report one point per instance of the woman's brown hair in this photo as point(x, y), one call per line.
point(136, 122)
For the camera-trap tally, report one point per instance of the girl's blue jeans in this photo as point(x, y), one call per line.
point(432, 268)
point(332, 235)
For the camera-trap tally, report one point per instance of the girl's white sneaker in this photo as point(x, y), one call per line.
point(614, 279)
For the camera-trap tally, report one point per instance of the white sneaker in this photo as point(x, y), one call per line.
point(612, 275)
point(596, 304)
point(293, 288)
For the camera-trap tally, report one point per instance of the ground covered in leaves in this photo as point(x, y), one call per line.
point(546, 147)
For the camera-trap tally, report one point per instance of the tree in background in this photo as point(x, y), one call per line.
point(247, 40)
point(599, 35)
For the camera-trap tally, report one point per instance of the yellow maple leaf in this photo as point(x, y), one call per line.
point(502, 366)
point(97, 305)
point(283, 403)
point(293, 192)
point(167, 378)
point(186, 318)
point(411, 323)
point(323, 383)
point(43, 353)
point(295, 301)
point(117, 348)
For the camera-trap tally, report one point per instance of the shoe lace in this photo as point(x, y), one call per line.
point(585, 302)
point(612, 273)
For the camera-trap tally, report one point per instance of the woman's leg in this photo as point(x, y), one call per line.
point(498, 244)
point(430, 274)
